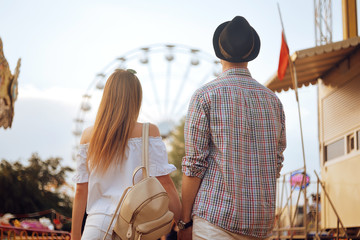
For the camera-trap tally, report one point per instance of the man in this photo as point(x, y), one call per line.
point(234, 143)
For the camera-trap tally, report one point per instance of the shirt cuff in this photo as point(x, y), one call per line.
point(80, 178)
point(161, 170)
point(193, 171)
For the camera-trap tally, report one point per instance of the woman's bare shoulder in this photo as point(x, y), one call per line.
point(154, 130)
point(86, 135)
point(137, 131)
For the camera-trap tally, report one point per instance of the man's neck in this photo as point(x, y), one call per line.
point(227, 65)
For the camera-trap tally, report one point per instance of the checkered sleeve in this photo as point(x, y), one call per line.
point(281, 143)
point(197, 134)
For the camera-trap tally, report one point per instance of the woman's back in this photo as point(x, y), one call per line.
point(105, 189)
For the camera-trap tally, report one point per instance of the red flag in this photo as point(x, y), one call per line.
point(284, 57)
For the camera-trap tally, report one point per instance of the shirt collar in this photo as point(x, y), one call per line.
point(236, 71)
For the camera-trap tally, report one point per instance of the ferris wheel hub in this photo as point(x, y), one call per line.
point(165, 127)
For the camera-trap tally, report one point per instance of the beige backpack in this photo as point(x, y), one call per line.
point(144, 207)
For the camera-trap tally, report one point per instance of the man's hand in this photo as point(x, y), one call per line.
point(185, 234)
point(189, 189)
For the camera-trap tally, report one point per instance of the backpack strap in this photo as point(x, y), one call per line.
point(144, 167)
point(145, 149)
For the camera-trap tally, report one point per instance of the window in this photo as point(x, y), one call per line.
point(358, 140)
point(350, 143)
point(334, 150)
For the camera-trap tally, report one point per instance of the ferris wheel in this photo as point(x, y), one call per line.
point(169, 74)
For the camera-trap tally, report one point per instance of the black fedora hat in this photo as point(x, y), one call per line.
point(236, 41)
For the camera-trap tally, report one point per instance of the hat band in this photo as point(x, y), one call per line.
point(252, 47)
point(227, 55)
point(223, 52)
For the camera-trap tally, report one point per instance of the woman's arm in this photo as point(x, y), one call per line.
point(80, 200)
point(78, 211)
point(167, 183)
point(174, 201)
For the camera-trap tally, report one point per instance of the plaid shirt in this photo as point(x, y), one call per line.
point(234, 142)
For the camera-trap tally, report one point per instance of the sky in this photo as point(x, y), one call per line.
point(64, 44)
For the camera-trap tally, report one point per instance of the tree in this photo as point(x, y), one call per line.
point(33, 188)
point(177, 152)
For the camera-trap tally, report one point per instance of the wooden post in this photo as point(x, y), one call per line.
point(332, 205)
point(349, 19)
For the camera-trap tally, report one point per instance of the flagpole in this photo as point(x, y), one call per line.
point(295, 83)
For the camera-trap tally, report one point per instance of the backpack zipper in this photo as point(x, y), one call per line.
point(152, 230)
point(129, 232)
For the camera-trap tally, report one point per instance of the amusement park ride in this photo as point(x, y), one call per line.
point(335, 68)
point(8, 89)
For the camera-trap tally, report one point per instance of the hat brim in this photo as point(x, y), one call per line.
point(253, 54)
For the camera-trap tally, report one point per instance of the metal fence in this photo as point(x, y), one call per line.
point(9, 232)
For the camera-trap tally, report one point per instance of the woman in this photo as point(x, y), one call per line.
point(110, 151)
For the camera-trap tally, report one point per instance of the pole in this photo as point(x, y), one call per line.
point(295, 84)
point(317, 208)
point(331, 204)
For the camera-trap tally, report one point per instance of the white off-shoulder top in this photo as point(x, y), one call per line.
point(104, 191)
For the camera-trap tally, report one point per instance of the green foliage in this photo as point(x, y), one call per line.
point(33, 188)
point(177, 152)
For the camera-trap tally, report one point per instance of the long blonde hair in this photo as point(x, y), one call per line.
point(118, 112)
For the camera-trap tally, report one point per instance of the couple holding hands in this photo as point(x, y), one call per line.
point(234, 143)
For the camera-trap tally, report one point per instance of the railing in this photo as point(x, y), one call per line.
point(9, 232)
point(289, 223)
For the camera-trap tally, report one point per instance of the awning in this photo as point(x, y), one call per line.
point(313, 63)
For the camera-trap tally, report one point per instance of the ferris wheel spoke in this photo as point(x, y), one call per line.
point(205, 79)
point(184, 105)
point(147, 116)
point(184, 80)
point(167, 88)
point(181, 109)
point(153, 85)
